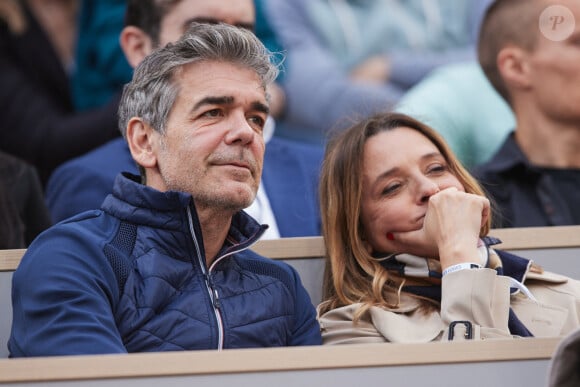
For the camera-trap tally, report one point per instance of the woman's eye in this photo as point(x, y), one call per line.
point(390, 189)
point(437, 168)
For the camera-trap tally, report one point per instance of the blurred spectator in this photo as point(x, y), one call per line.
point(535, 176)
point(23, 214)
point(458, 101)
point(101, 66)
point(348, 58)
point(38, 122)
point(565, 363)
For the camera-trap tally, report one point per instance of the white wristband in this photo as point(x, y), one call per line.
point(461, 266)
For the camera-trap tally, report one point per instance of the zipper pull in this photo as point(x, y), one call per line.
point(213, 292)
point(216, 300)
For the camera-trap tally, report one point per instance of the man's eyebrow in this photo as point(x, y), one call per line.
point(225, 100)
point(228, 100)
point(209, 20)
point(258, 106)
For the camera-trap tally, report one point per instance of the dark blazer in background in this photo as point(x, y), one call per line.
point(23, 214)
point(290, 177)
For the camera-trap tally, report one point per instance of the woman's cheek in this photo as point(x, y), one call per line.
point(394, 216)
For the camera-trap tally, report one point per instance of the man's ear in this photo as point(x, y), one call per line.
point(141, 138)
point(136, 44)
point(514, 67)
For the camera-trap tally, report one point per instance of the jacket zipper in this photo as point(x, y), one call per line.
point(213, 294)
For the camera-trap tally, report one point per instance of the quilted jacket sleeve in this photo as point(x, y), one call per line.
point(63, 296)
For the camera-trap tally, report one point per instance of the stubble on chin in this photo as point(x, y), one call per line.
point(227, 199)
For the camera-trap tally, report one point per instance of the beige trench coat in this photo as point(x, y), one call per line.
point(478, 296)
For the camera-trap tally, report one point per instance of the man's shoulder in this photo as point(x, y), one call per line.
point(78, 230)
point(69, 246)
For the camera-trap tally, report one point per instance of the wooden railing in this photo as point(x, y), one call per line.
point(528, 238)
point(521, 362)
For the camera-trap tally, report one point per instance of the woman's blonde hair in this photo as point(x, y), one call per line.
point(352, 275)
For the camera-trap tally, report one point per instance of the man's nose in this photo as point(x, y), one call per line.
point(240, 130)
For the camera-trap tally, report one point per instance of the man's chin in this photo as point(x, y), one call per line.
point(243, 196)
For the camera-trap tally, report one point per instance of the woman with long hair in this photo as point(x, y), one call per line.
point(409, 258)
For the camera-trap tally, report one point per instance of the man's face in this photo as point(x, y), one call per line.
point(235, 12)
point(555, 71)
point(213, 146)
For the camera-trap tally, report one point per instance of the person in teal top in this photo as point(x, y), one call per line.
point(458, 101)
point(101, 67)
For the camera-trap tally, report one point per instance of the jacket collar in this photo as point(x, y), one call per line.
point(134, 202)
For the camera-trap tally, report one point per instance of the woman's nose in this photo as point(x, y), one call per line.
point(427, 188)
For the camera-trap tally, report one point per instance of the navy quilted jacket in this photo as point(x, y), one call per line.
point(132, 277)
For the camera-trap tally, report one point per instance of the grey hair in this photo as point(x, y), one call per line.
point(152, 92)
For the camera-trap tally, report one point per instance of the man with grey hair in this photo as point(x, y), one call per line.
point(164, 265)
point(287, 199)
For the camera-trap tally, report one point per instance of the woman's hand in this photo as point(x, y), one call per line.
point(453, 222)
point(451, 227)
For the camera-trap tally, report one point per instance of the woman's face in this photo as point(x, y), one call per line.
point(401, 170)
